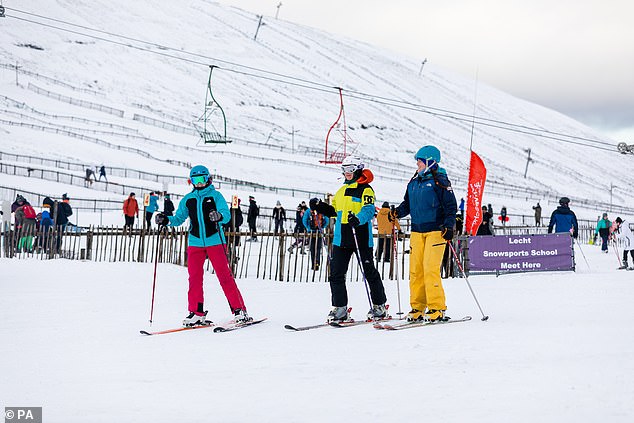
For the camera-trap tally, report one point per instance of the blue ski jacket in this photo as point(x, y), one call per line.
point(431, 202)
point(196, 206)
point(563, 220)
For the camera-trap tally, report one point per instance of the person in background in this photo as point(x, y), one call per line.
point(430, 201)
point(102, 172)
point(503, 216)
point(26, 225)
point(563, 219)
point(485, 226)
point(625, 235)
point(315, 223)
point(252, 216)
point(206, 209)
point(459, 223)
point(233, 226)
point(279, 216)
point(168, 206)
point(130, 210)
point(64, 211)
point(461, 208)
point(384, 227)
point(538, 214)
point(603, 229)
point(45, 222)
point(90, 176)
point(299, 231)
point(151, 208)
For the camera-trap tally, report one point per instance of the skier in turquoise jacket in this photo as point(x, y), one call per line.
point(206, 209)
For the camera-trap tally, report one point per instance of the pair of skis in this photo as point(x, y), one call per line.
point(225, 327)
point(378, 324)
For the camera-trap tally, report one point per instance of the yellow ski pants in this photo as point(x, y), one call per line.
point(425, 284)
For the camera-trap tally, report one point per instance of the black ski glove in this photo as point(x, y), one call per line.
point(161, 219)
point(353, 220)
point(215, 216)
point(392, 215)
point(447, 234)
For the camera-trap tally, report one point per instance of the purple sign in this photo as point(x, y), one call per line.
point(521, 253)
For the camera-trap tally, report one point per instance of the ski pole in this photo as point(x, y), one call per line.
point(323, 237)
point(582, 253)
point(158, 244)
point(455, 256)
point(616, 251)
point(398, 276)
point(358, 254)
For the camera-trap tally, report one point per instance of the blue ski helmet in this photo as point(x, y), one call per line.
point(199, 170)
point(199, 175)
point(428, 153)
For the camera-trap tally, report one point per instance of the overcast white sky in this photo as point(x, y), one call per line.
point(575, 56)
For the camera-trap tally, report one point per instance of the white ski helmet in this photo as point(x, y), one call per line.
point(351, 164)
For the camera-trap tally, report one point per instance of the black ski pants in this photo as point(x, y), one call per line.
point(338, 269)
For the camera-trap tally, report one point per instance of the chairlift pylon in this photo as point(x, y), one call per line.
point(208, 132)
point(336, 157)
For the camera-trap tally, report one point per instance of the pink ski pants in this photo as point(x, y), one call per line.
point(196, 261)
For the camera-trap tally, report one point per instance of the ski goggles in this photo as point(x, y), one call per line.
point(349, 168)
point(200, 179)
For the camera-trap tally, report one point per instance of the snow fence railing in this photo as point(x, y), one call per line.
point(76, 102)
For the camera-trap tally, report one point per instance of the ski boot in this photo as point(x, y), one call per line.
point(623, 267)
point(435, 316)
point(378, 312)
point(415, 315)
point(338, 314)
point(241, 316)
point(194, 319)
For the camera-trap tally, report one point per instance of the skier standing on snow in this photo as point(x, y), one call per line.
point(353, 206)
point(430, 201)
point(206, 209)
point(624, 233)
point(603, 229)
point(563, 219)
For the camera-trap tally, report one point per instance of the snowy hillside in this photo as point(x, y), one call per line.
point(270, 89)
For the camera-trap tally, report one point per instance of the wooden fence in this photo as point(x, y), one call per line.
point(283, 257)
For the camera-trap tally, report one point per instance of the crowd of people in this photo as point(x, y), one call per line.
point(34, 230)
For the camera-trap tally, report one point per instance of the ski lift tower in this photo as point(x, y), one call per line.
point(336, 157)
point(213, 113)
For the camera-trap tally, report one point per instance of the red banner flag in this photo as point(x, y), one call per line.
point(475, 188)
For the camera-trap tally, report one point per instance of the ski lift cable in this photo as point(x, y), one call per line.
point(359, 95)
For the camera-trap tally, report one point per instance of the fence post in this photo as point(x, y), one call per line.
point(282, 249)
point(89, 236)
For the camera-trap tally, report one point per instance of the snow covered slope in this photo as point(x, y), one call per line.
point(557, 348)
point(165, 79)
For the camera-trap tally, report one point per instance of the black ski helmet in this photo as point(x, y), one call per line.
point(564, 201)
